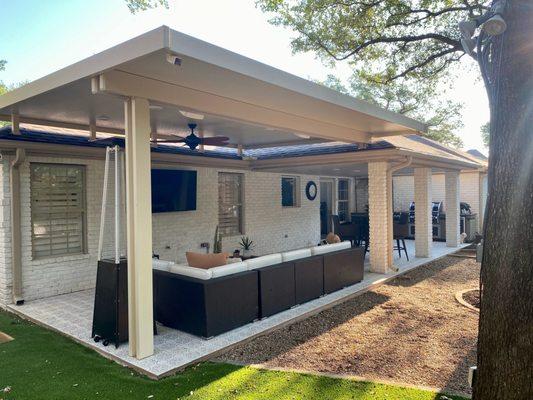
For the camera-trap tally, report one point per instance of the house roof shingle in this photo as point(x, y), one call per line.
point(414, 143)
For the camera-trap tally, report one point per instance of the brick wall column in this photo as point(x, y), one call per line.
point(379, 202)
point(451, 204)
point(423, 228)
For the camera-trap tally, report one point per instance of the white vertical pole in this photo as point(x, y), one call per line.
point(452, 204)
point(139, 214)
point(15, 124)
point(104, 201)
point(117, 205)
point(423, 217)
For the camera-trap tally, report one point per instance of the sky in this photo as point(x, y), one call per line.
point(39, 37)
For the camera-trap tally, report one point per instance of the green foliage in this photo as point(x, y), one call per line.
point(400, 50)
point(217, 242)
point(246, 243)
point(143, 5)
point(485, 134)
point(412, 99)
point(40, 364)
point(391, 38)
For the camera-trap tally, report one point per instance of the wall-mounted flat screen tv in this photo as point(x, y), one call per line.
point(173, 190)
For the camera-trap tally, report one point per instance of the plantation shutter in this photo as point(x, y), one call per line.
point(343, 200)
point(58, 209)
point(230, 203)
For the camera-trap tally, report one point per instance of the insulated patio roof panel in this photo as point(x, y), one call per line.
point(250, 102)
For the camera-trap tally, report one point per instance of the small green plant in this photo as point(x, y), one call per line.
point(246, 243)
point(217, 242)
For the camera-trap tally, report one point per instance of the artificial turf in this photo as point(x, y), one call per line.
point(40, 364)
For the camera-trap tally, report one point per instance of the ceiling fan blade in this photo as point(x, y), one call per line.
point(171, 140)
point(215, 141)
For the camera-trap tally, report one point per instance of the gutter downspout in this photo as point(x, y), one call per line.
point(16, 236)
point(393, 168)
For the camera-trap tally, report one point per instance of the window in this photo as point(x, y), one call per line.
point(58, 209)
point(230, 199)
point(343, 200)
point(290, 191)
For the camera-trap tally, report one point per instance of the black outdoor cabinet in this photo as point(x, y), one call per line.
point(110, 318)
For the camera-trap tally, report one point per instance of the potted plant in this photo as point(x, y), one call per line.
point(217, 242)
point(247, 245)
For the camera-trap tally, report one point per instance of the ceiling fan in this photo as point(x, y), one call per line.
point(193, 141)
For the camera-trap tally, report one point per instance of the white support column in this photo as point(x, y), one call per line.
point(15, 124)
point(379, 203)
point(451, 205)
point(423, 223)
point(139, 228)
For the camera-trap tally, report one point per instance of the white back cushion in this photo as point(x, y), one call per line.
point(330, 247)
point(190, 271)
point(263, 261)
point(228, 269)
point(161, 265)
point(295, 254)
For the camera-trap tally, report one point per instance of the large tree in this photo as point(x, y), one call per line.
point(442, 116)
point(386, 41)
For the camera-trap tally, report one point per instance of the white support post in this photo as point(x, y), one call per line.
point(139, 228)
point(15, 124)
point(423, 221)
point(380, 217)
point(452, 205)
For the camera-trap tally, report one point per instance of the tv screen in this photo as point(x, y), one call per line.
point(173, 190)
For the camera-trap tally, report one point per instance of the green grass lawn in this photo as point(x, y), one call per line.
point(40, 364)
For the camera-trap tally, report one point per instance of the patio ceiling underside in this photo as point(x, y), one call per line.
point(251, 103)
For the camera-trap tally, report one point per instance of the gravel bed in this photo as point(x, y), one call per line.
point(410, 330)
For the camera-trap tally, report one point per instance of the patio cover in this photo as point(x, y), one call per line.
point(250, 102)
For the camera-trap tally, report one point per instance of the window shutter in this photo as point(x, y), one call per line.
point(229, 203)
point(58, 209)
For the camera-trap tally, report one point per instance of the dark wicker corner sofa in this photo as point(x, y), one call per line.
point(210, 302)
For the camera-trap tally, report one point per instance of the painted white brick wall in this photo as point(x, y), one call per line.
point(272, 227)
point(423, 232)
point(361, 195)
point(5, 233)
point(380, 240)
point(452, 208)
point(469, 189)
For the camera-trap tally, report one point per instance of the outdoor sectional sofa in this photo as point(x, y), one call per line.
point(213, 301)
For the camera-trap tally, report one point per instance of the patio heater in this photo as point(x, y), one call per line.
point(110, 317)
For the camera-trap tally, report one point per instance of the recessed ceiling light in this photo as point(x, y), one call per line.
point(102, 118)
point(191, 115)
point(154, 107)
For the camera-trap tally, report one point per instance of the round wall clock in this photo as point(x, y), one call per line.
point(311, 190)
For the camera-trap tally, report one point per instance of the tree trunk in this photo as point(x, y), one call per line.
point(505, 344)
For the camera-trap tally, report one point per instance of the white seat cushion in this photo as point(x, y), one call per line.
point(190, 271)
point(263, 261)
point(295, 254)
point(328, 248)
point(228, 269)
point(161, 265)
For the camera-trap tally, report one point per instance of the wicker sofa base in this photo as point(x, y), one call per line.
point(210, 307)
